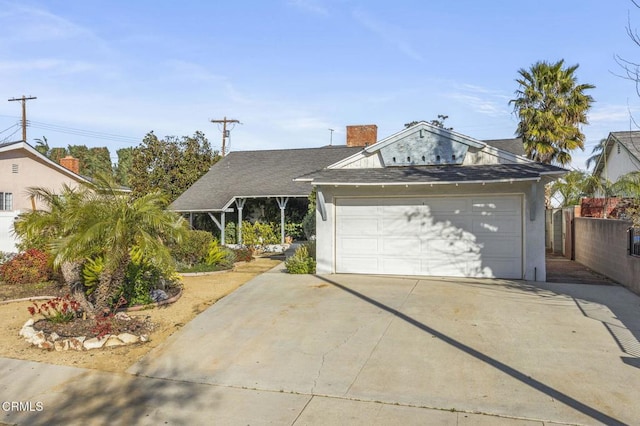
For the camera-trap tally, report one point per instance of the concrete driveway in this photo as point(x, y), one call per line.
point(348, 349)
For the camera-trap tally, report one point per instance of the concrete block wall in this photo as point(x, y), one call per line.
point(601, 245)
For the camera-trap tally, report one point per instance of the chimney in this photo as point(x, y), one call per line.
point(71, 163)
point(362, 135)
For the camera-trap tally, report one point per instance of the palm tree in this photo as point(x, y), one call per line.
point(596, 153)
point(572, 187)
point(551, 106)
point(102, 221)
point(42, 146)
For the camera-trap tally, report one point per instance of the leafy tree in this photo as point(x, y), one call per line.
point(438, 122)
point(629, 186)
point(551, 106)
point(170, 165)
point(123, 168)
point(56, 154)
point(93, 161)
point(101, 221)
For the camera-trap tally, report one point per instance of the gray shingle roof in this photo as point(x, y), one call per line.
point(266, 173)
point(631, 141)
point(434, 174)
point(513, 146)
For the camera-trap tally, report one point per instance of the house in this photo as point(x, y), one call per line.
point(620, 155)
point(23, 167)
point(424, 201)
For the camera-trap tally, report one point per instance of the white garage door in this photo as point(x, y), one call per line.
point(439, 236)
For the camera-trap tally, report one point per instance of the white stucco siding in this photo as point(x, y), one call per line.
point(531, 235)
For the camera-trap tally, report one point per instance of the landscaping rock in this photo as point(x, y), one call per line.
point(128, 338)
point(76, 343)
point(46, 345)
point(159, 295)
point(122, 316)
point(113, 341)
point(61, 345)
point(94, 343)
point(53, 337)
point(38, 338)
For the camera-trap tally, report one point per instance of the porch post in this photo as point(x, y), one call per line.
point(282, 203)
point(240, 205)
point(222, 228)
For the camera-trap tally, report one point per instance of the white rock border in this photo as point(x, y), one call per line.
point(55, 342)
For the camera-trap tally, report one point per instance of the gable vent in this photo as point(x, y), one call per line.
point(14, 168)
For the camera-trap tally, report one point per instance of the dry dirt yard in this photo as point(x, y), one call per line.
point(199, 293)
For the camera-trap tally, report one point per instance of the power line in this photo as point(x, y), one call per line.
point(225, 132)
point(81, 132)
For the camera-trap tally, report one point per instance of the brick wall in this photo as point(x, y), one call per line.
point(601, 245)
point(362, 135)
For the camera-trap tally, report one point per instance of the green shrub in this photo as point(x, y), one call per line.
point(216, 254)
point(91, 271)
point(293, 230)
point(230, 233)
point(258, 234)
point(193, 249)
point(301, 262)
point(31, 266)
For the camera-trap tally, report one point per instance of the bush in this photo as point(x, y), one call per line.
point(230, 234)
point(293, 230)
point(31, 266)
point(243, 254)
point(301, 262)
point(219, 255)
point(258, 234)
point(193, 249)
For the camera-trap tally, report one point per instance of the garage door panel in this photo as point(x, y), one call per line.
point(441, 236)
point(358, 226)
point(496, 225)
point(359, 245)
point(398, 245)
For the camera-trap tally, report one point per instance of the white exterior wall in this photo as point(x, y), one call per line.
point(533, 231)
point(617, 165)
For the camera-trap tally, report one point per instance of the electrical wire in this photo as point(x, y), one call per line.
point(9, 128)
point(81, 132)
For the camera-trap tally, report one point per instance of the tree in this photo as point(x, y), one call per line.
point(438, 122)
point(569, 189)
point(99, 220)
point(170, 165)
point(93, 161)
point(551, 106)
point(596, 153)
point(123, 168)
point(42, 146)
point(629, 186)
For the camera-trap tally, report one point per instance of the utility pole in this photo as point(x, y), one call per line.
point(24, 100)
point(225, 132)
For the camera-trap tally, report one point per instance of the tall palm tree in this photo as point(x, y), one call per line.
point(551, 106)
point(103, 221)
point(596, 153)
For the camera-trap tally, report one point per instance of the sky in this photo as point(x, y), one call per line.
point(107, 72)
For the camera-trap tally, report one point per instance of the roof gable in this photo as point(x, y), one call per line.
point(629, 141)
point(427, 145)
point(37, 156)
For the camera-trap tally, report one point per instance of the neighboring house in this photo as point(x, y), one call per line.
point(23, 167)
point(621, 155)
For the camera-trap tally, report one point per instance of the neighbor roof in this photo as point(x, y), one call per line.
point(445, 174)
point(630, 140)
point(514, 146)
point(249, 174)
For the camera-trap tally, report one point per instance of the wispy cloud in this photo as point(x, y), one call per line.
point(481, 99)
point(313, 6)
point(52, 65)
point(392, 34)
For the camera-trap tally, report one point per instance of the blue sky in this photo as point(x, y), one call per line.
point(289, 70)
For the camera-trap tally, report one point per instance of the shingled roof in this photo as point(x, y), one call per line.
point(434, 174)
point(630, 140)
point(514, 146)
point(249, 174)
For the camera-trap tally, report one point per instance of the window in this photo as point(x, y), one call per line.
point(6, 201)
point(634, 241)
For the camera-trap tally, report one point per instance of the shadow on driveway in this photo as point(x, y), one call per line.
point(523, 378)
